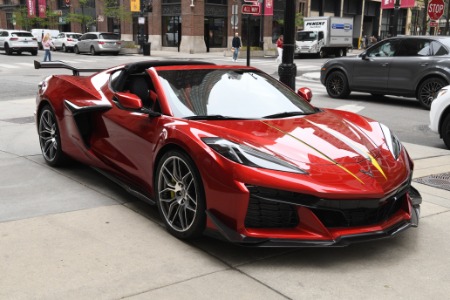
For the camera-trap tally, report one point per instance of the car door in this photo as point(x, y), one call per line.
point(413, 58)
point(2, 39)
point(126, 138)
point(58, 41)
point(83, 43)
point(370, 73)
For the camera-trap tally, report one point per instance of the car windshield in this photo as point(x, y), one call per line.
point(306, 36)
point(21, 34)
point(229, 93)
point(109, 36)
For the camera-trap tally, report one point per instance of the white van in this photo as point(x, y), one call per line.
point(39, 34)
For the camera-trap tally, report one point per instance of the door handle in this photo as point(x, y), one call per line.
point(424, 64)
point(384, 64)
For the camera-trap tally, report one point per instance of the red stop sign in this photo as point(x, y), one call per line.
point(435, 9)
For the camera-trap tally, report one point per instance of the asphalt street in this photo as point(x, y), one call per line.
point(72, 234)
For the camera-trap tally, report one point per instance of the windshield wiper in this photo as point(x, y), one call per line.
point(212, 117)
point(285, 114)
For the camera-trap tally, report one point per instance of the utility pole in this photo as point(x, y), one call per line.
point(287, 70)
point(395, 21)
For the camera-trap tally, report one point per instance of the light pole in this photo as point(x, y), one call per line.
point(287, 70)
point(395, 21)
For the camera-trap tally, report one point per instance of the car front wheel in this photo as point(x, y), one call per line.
point(64, 48)
point(428, 90)
point(445, 131)
point(180, 196)
point(337, 85)
point(49, 138)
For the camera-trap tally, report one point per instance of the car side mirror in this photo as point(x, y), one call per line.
point(305, 93)
point(128, 100)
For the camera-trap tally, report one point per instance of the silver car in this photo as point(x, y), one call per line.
point(98, 42)
point(409, 66)
point(66, 40)
point(18, 41)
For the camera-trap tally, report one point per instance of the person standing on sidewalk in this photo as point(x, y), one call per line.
point(47, 45)
point(236, 45)
point(280, 49)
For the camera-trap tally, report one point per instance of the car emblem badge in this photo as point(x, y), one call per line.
point(368, 172)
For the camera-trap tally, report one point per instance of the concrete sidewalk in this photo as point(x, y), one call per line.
point(72, 234)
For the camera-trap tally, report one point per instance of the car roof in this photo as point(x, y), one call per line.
point(430, 37)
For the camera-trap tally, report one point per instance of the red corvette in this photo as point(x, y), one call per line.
point(231, 152)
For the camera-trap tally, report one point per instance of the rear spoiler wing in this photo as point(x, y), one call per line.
point(62, 65)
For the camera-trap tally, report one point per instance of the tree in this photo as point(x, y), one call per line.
point(117, 12)
point(81, 18)
point(298, 20)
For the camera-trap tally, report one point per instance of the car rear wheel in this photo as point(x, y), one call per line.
point(428, 90)
point(76, 50)
point(7, 50)
point(337, 85)
point(93, 52)
point(49, 138)
point(322, 53)
point(445, 131)
point(180, 196)
point(34, 52)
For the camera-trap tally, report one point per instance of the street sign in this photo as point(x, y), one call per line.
point(234, 20)
point(433, 24)
point(435, 9)
point(250, 9)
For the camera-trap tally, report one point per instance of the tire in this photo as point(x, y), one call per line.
point(64, 48)
point(428, 89)
point(7, 50)
point(340, 52)
point(76, 50)
point(180, 196)
point(49, 138)
point(34, 52)
point(93, 52)
point(322, 53)
point(336, 84)
point(445, 131)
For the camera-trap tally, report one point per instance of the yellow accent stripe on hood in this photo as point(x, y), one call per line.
point(315, 149)
point(352, 145)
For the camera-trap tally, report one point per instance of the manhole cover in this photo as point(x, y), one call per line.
point(440, 181)
point(23, 120)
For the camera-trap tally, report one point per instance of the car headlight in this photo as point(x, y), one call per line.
point(441, 92)
point(248, 156)
point(393, 143)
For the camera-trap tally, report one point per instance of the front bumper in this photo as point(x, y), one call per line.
point(388, 225)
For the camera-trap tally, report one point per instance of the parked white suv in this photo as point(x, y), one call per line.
point(65, 41)
point(18, 41)
point(440, 115)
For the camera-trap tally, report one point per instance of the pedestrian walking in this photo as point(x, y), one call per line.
point(47, 45)
point(236, 45)
point(280, 49)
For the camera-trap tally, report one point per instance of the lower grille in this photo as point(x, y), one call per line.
point(269, 208)
point(268, 214)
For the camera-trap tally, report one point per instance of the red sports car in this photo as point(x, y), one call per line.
point(229, 151)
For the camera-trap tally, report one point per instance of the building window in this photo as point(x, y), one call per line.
point(215, 32)
point(171, 31)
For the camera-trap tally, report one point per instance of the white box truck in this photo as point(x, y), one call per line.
point(324, 36)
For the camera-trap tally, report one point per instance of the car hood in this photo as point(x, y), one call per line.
point(329, 137)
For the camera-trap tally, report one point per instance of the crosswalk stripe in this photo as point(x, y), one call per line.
point(26, 64)
point(8, 66)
